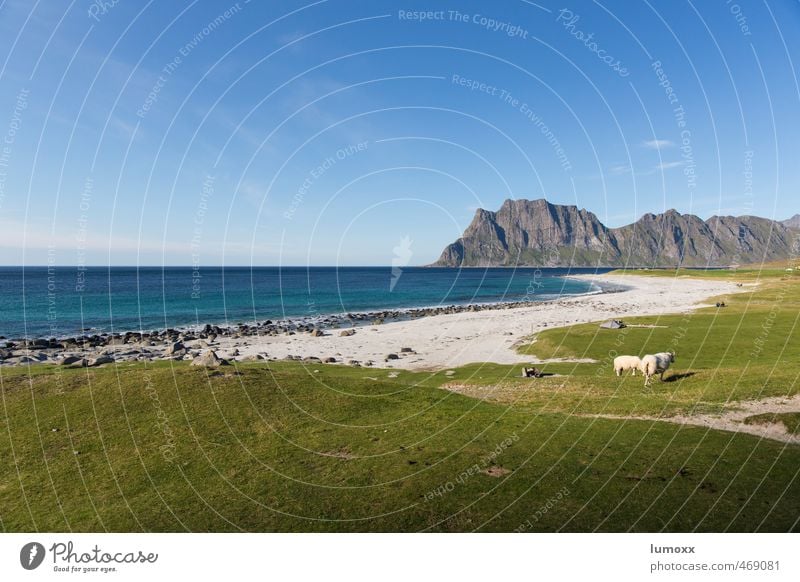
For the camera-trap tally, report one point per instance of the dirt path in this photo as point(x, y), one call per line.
point(732, 420)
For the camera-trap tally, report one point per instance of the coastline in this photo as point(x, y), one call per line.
point(413, 338)
point(232, 297)
point(452, 340)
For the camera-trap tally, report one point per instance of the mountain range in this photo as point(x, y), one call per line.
point(538, 233)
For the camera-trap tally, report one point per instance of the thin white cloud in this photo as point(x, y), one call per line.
point(619, 170)
point(657, 144)
point(15, 236)
point(625, 170)
point(669, 165)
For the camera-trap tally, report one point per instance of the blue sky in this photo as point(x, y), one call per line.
point(328, 132)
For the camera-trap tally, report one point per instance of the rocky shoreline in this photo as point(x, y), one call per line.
point(201, 345)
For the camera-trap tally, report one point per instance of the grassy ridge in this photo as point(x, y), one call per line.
point(283, 447)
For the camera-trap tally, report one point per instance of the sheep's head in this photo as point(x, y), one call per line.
point(671, 356)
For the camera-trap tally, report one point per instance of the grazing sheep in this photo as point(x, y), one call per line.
point(625, 363)
point(653, 364)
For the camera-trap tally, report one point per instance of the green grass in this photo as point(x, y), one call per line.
point(749, 349)
point(772, 270)
point(280, 447)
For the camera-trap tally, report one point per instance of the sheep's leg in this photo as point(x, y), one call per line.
point(618, 371)
point(662, 376)
point(633, 371)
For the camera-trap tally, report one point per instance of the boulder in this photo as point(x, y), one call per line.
point(175, 348)
point(392, 357)
point(347, 332)
point(317, 332)
point(99, 361)
point(208, 359)
point(69, 360)
point(531, 372)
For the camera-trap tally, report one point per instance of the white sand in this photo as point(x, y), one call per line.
point(450, 340)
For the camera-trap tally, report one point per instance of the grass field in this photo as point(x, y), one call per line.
point(286, 447)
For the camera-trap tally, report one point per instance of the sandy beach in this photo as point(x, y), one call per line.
point(451, 340)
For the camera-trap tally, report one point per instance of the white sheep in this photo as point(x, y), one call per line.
point(625, 363)
point(653, 364)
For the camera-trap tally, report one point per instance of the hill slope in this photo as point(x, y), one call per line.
point(536, 232)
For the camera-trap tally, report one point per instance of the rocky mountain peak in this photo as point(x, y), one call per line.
point(539, 233)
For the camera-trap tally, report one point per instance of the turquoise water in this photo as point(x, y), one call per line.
point(65, 301)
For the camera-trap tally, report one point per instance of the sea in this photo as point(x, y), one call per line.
point(58, 302)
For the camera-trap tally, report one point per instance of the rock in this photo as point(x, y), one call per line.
point(99, 361)
point(392, 357)
point(317, 332)
point(497, 238)
point(531, 372)
point(174, 348)
point(208, 359)
point(329, 360)
point(347, 332)
point(69, 360)
point(406, 351)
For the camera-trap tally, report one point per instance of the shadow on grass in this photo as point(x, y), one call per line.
point(679, 377)
point(539, 375)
